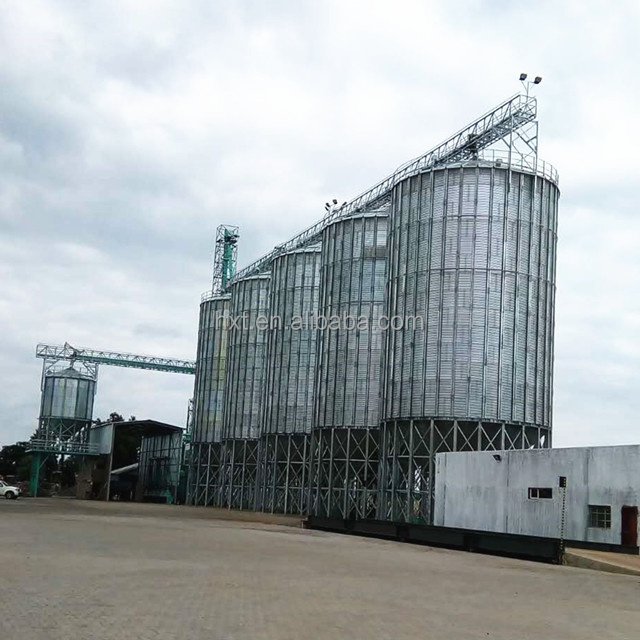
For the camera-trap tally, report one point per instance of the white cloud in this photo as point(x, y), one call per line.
point(131, 130)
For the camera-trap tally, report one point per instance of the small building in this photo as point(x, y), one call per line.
point(147, 469)
point(521, 492)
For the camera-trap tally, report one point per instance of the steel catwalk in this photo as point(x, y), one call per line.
point(344, 447)
point(472, 275)
point(290, 378)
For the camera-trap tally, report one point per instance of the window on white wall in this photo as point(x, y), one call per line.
point(600, 516)
point(540, 493)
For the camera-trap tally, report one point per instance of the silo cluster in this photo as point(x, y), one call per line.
point(423, 324)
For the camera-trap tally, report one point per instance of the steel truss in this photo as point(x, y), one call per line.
point(502, 123)
point(239, 473)
point(54, 434)
point(225, 257)
point(55, 353)
point(282, 483)
point(407, 458)
point(343, 478)
point(206, 458)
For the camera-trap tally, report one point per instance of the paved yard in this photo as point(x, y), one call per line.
point(78, 570)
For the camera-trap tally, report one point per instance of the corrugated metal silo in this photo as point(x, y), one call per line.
point(68, 394)
point(472, 260)
point(246, 360)
point(290, 378)
point(66, 407)
point(346, 416)
point(208, 398)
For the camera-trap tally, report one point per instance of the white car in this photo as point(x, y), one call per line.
point(9, 492)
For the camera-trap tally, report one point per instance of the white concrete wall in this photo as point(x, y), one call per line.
point(474, 491)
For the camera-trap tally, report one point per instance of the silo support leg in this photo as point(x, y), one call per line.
point(37, 461)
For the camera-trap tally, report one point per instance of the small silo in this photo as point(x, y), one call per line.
point(246, 360)
point(208, 398)
point(290, 378)
point(66, 408)
point(469, 363)
point(344, 457)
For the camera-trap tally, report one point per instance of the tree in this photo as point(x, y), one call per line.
point(10, 458)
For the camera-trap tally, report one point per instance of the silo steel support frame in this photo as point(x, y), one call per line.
point(283, 480)
point(407, 458)
point(239, 474)
point(206, 463)
point(343, 477)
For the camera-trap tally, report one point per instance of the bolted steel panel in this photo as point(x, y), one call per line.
point(352, 283)
point(68, 394)
point(291, 349)
point(472, 257)
point(211, 369)
point(246, 357)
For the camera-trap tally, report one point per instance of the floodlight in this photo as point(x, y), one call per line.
point(523, 77)
point(537, 80)
point(335, 201)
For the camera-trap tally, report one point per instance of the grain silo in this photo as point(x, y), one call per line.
point(344, 455)
point(208, 398)
point(289, 383)
point(66, 407)
point(472, 283)
point(246, 359)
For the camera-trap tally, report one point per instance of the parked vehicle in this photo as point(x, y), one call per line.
point(8, 491)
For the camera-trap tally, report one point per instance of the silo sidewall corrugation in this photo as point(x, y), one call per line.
point(211, 369)
point(246, 358)
point(353, 279)
point(472, 252)
point(291, 352)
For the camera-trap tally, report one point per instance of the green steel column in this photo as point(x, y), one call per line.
point(227, 259)
point(35, 473)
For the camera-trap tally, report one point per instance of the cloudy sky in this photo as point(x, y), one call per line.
point(130, 130)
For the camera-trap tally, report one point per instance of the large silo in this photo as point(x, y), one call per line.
point(469, 363)
point(344, 454)
point(290, 377)
point(208, 398)
point(66, 408)
point(246, 360)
